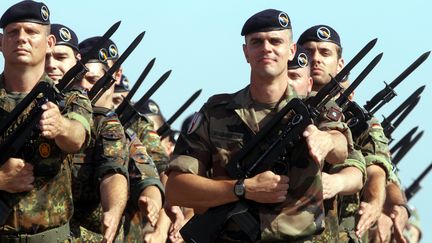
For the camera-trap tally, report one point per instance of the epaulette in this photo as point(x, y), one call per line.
point(220, 99)
point(97, 110)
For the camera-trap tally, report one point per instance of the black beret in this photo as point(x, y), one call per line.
point(150, 107)
point(123, 86)
point(108, 51)
point(320, 33)
point(26, 11)
point(64, 36)
point(267, 20)
point(301, 58)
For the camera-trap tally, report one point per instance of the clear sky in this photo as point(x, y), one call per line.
point(200, 41)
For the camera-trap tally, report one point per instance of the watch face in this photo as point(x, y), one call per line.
point(239, 189)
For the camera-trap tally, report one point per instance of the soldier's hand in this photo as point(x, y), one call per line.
point(177, 221)
point(155, 237)
point(52, 122)
point(384, 229)
point(267, 187)
point(149, 209)
point(331, 185)
point(110, 224)
point(319, 143)
point(16, 176)
point(399, 216)
point(369, 214)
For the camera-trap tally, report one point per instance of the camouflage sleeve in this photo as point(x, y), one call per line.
point(393, 177)
point(110, 153)
point(151, 140)
point(374, 146)
point(142, 171)
point(78, 107)
point(355, 159)
point(192, 153)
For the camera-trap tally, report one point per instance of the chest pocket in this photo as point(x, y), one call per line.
point(226, 143)
point(378, 142)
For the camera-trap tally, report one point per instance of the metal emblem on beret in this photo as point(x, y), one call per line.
point(65, 34)
point(323, 33)
point(103, 55)
point(283, 19)
point(44, 12)
point(302, 60)
point(195, 122)
point(153, 108)
point(112, 49)
point(44, 150)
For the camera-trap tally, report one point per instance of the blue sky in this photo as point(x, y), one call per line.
point(200, 41)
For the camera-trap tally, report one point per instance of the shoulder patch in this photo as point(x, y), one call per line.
point(195, 122)
point(220, 99)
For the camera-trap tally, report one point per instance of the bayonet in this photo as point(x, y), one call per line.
point(415, 186)
point(386, 94)
point(167, 125)
point(406, 148)
point(107, 80)
point(403, 141)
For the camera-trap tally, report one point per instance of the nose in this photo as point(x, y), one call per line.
point(22, 35)
point(267, 46)
point(316, 57)
point(49, 63)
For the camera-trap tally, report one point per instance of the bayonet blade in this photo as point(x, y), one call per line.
point(153, 89)
point(409, 70)
point(403, 141)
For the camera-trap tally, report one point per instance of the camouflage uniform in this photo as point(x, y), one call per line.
point(144, 128)
point(225, 123)
point(374, 146)
point(49, 205)
point(142, 173)
point(106, 154)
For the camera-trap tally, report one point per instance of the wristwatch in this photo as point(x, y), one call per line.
point(240, 189)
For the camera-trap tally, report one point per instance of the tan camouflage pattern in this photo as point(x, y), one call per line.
point(106, 154)
point(228, 121)
point(144, 128)
point(49, 204)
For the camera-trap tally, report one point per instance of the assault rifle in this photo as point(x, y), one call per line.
point(245, 163)
point(16, 135)
point(415, 186)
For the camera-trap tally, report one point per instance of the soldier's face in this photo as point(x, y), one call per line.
point(324, 61)
point(301, 80)
point(95, 71)
point(26, 43)
point(59, 60)
point(268, 52)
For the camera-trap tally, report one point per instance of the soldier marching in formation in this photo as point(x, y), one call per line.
point(288, 158)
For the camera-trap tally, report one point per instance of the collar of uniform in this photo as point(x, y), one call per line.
point(242, 99)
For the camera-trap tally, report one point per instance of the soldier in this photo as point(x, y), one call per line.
point(346, 178)
point(42, 214)
point(299, 72)
point(226, 122)
point(146, 190)
point(121, 90)
point(99, 173)
point(323, 43)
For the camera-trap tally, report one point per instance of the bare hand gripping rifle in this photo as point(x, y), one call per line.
point(299, 114)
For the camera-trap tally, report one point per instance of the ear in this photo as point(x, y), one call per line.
point(310, 84)
point(51, 42)
point(245, 52)
point(293, 49)
point(78, 56)
point(340, 65)
point(117, 75)
point(351, 96)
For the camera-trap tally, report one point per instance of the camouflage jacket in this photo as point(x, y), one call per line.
point(106, 154)
point(222, 127)
point(146, 133)
point(49, 204)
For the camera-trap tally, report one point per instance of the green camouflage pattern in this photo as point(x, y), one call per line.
point(49, 204)
point(142, 173)
point(144, 128)
point(225, 123)
point(106, 154)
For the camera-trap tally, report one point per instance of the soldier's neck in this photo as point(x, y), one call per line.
point(268, 91)
point(21, 78)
